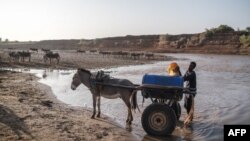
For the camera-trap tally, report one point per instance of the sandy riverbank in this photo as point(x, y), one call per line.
point(29, 111)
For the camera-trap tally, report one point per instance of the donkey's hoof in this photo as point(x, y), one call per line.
point(92, 117)
point(129, 122)
point(128, 127)
point(98, 116)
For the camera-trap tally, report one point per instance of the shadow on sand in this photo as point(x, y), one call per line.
point(15, 123)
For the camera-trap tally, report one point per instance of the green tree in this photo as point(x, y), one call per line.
point(219, 29)
point(224, 28)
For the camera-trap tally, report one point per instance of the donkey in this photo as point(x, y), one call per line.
point(51, 56)
point(24, 55)
point(14, 56)
point(128, 95)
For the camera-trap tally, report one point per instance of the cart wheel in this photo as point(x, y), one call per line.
point(177, 109)
point(158, 119)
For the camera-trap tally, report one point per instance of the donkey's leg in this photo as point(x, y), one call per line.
point(130, 99)
point(130, 116)
point(128, 104)
point(98, 105)
point(129, 120)
point(94, 106)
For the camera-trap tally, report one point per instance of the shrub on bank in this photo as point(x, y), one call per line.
point(245, 40)
point(220, 29)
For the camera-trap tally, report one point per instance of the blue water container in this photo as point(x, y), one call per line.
point(162, 80)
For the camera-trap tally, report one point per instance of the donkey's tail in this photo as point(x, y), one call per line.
point(134, 101)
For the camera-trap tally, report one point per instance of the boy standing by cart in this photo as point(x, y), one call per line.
point(190, 79)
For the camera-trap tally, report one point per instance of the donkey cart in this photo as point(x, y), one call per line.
point(165, 92)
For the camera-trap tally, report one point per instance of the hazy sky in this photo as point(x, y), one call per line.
point(76, 19)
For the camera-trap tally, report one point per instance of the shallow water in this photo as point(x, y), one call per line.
point(223, 83)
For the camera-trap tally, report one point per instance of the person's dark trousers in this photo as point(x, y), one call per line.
point(188, 103)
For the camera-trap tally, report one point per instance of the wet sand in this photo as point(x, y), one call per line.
point(29, 111)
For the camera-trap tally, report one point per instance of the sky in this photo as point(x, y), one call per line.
point(34, 20)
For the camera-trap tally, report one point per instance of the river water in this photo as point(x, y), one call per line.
point(223, 84)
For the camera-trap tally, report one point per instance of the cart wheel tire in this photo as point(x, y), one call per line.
point(158, 120)
point(177, 109)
